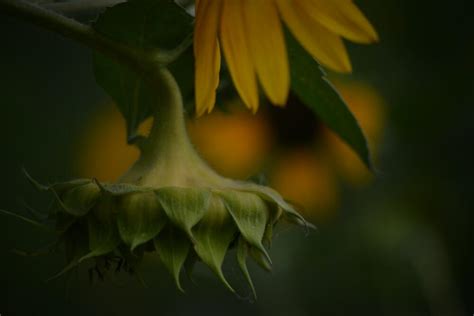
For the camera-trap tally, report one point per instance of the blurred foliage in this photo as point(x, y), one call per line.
point(400, 246)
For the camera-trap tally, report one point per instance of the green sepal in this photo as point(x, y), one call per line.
point(275, 215)
point(173, 247)
point(260, 258)
point(102, 229)
point(80, 199)
point(62, 187)
point(49, 249)
point(76, 245)
point(38, 186)
point(250, 214)
point(185, 207)
point(271, 195)
point(67, 268)
point(27, 220)
point(190, 263)
point(242, 253)
point(140, 218)
point(64, 221)
point(58, 187)
point(213, 235)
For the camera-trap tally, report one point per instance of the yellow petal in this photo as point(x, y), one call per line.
point(267, 46)
point(342, 17)
point(322, 44)
point(237, 54)
point(207, 54)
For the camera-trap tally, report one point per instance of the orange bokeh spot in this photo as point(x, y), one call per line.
point(103, 152)
point(235, 143)
point(306, 181)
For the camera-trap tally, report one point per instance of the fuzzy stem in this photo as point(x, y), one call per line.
point(169, 129)
point(167, 156)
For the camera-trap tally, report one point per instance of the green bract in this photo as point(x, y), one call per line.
point(103, 222)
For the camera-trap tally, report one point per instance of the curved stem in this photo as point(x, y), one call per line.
point(167, 149)
point(167, 156)
point(137, 59)
point(169, 128)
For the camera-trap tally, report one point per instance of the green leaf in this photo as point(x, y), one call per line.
point(213, 234)
point(140, 218)
point(250, 214)
point(146, 24)
point(103, 233)
point(173, 248)
point(310, 84)
point(185, 207)
point(242, 253)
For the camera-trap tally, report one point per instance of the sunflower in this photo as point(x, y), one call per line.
point(251, 37)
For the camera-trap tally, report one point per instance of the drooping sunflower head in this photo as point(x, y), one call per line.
point(251, 37)
point(115, 225)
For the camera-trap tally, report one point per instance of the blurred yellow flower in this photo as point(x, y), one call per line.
point(251, 36)
point(309, 177)
point(235, 144)
point(102, 151)
point(307, 181)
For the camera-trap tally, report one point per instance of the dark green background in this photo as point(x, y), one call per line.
point(404, 246)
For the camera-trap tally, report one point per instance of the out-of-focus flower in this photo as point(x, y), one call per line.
point(251, 36)
point(307, 181)
point(103, 152)
point(234, 143)
point(309, 176)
